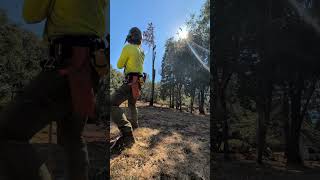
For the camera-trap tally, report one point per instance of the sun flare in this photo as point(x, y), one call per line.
point(183, 33)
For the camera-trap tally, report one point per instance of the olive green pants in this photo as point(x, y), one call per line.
point(47, 98)
point(119, 118)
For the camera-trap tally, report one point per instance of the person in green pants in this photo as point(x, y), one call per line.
point(63, 91)
point(131, 59)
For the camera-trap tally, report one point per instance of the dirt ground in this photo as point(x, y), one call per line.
point(243, 169)
point(170, 145)
point(53, 154)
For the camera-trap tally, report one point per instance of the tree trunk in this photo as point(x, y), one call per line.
point(191, 101)
point(153, 75)
point(180, 97)
point(261, 129)
point(225, 133)
point(170, 95)
point(177, 99)
point(294, 157)
point(264, 76)
point(263, 108)
point(172, 103)
point(293, 154)
point(285, 112)
point(263, 118)
point(201, 101)
point(222, 110)
point(298, 111)
point(220, 117)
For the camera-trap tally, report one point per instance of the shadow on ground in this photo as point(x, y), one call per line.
point(271, 170)
point(53, 154)
point(170, 145)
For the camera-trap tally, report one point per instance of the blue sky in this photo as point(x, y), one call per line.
point(166, 15)
point(13, 9)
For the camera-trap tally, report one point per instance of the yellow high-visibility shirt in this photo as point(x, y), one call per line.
point(131, 59)
point(68, 17)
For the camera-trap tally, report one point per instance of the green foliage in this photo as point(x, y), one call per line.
point(271, 50)
point(146, 91)
point(148, 36)
point(20, 54)
point(180, 70)
point(116, 79)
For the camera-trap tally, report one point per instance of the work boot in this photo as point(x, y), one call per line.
point(125, 141)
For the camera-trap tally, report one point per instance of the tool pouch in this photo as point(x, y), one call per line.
point(135, 87)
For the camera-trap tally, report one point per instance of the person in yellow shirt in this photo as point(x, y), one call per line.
point(71, 17)
point(131, 59)
point(63, 91)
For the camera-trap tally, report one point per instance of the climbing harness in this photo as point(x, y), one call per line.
point(136, 81)
point(60, 51)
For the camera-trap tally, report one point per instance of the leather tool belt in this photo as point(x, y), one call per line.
point(60, 49)
point(136, 81)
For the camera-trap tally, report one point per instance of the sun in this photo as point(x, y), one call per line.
point(183, 33)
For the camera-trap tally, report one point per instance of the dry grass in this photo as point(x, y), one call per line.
point(169, 145)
